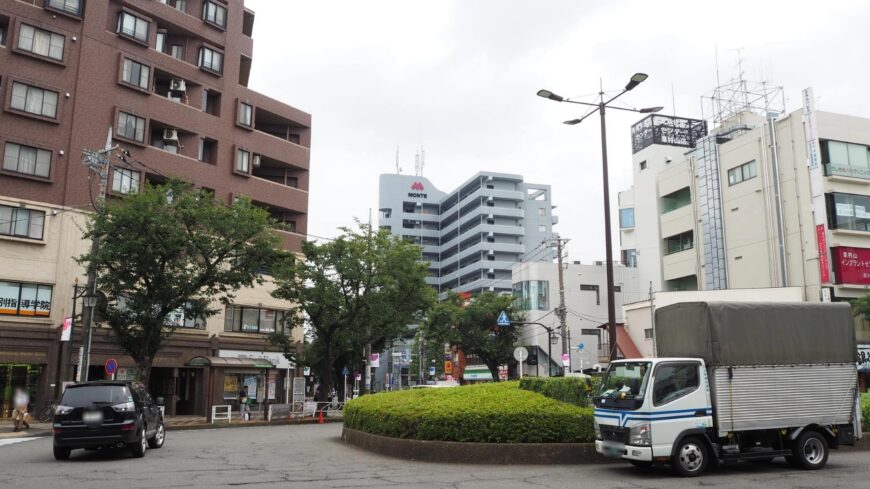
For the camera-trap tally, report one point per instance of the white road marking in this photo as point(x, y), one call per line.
point(12, 441)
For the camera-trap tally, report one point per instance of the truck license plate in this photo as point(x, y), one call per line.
point(615, 450)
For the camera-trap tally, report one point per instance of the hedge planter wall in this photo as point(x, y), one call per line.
point(573, 390)
point(486, 413)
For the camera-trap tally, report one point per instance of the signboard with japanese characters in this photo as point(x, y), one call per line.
point(852, 265)
point(19, 299)
point(864, 358)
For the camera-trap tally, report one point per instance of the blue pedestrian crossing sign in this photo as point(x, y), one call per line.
point(503, 319)
point(581, 346)
point(345, 371)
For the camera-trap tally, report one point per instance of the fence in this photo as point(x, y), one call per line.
point(221, 413)
point(305, 409)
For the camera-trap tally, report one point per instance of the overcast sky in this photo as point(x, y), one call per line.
point(458, 78)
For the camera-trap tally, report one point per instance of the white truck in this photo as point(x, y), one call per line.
point(734, 382)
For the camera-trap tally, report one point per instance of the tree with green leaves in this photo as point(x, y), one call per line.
point(363, 288)
point(861, 307)
point(469, 323)
point(171, 249)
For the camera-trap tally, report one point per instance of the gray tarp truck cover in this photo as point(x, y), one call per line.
point(757, 333)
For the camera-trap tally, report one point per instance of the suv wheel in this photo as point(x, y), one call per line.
point(156, 441)
point(61, 453)
point(137, 448)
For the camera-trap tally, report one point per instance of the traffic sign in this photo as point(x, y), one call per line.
point(520, 354)
point(345, 371)
point(431, 370)
point(581, 346)
point(111, 366)
point(503, 319)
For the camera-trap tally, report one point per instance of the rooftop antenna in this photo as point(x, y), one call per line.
point(422, 161)
point(398, 168)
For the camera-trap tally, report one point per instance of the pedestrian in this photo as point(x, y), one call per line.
point(244, 404)
point(20, 416)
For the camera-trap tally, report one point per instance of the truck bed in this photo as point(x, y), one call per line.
point(781, 396)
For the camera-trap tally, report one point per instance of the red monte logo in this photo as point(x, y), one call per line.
point(417, 186)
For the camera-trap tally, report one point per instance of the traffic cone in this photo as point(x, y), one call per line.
point(321, 417)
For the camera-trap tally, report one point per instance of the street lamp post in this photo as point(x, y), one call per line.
point(89, 300)
point(635, 80)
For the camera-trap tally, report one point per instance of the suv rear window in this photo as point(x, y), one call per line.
point(96, 394)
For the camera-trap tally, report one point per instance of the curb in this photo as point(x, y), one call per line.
point(495, 453)
point(476, 453)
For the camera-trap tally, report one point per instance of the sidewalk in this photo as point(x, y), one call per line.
point(173, 423)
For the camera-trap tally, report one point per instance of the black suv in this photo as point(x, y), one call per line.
point(107, 414)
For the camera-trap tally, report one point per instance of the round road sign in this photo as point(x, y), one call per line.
point(111, 366)
point(520, 354)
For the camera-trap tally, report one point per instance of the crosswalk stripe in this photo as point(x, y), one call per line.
point(12, 441)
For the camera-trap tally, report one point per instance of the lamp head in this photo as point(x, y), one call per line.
point(636, 80)
point(550, 95)
point(649, 110)
point(573, 122)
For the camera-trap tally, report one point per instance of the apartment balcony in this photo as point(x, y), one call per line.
point(677, 221)
point(290, 240)
point(514, 195)
point(272, 194)
point(188, 20)
point(278, 149)
point(680, 264)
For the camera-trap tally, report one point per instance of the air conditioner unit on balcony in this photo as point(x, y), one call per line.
point(177, 85)
point(170, 136)
point(256, 161)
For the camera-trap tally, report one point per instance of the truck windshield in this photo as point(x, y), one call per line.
point(624, 385)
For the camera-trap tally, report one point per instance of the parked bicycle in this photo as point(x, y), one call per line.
point(46, 414)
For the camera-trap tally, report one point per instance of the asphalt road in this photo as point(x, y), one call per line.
point(312, 456)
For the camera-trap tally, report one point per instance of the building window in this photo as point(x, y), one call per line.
point(678, 243)
point(208, 150)
point(40, 42)
point(676, 200)
point(22, 299)
point(21, 223)
point(136, 74)
point(648, 333)
point(27, 160)
point(133, 27)
point(176, 4)
point(253, 320)
point(211, 102)
point(591, 332)
point(542, 228)
point(246, 114)
point(742, 173)
point(532, 295)
point(214, 14)
point(34, 100)
point(542, 211)
point(643, 165)
point(211, 60)
point(847, 211)
point(626, 218)
point(592, 288)
point(845, 159)
point(160, 44)
point(243, 161)
point(629, 258)
point(177, 51)
point(131, 127)
point(125, 181)
point(72, 7)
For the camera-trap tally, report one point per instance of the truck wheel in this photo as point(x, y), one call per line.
point(691, 458)
point(810, 451)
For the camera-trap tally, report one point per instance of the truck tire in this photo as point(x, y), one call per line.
point(810, 451)
point(691, 457)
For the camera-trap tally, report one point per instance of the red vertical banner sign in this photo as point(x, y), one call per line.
point(824, 265)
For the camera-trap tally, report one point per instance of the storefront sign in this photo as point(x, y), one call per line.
point(375, 360)
point(864, 358)
point(66, 331)
point(277, 359)
point(852, 265)
point(824, 266)
point(448, 367)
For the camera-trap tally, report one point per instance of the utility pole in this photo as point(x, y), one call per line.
point(561, 312)
point(96, 162)
point(652, 318)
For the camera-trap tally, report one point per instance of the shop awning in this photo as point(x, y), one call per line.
point(477, 372)
point(230, 362)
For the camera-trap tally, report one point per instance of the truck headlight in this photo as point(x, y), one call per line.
point(597, 429)
point(640, 435)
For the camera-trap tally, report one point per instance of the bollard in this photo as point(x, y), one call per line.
point(321, 417)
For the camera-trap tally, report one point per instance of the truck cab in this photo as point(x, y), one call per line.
point(645, 406)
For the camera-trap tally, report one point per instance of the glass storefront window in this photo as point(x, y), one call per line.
point(848, 211)
point(253, 320)
point(532, 295)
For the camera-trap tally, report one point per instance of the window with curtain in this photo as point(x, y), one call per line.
point(27, 160)
point(40, 42)
point(34, 100)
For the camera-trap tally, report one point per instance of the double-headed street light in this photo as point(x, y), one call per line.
point(599, 107)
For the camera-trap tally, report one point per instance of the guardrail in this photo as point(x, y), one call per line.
point(221, 413)
point(305, 409)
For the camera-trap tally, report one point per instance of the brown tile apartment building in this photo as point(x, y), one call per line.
point(167, 81)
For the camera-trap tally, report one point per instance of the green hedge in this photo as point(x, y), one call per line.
point(865, 411)
point(490, 413)
point(573, 390)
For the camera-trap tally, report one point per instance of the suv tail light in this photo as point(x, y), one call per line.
point(124, 407)
point(60, 409)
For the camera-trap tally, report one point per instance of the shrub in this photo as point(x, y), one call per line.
point(573, 390)
point(865, 411)
point(488, 413)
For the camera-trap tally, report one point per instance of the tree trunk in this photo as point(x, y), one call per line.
point(144, 366)
point(493, 370)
